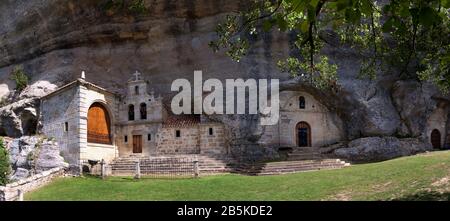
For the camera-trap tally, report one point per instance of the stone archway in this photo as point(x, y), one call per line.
point(98, 124)
point(303, 134)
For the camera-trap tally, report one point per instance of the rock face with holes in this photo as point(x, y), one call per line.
point(31, 154)
point(19, 118)
point(54, 40)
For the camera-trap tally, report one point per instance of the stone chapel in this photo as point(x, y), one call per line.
point(92, 123)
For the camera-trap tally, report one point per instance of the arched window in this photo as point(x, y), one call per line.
point(143, 110)
point(98, 125)
point(301, 102)
point(136, 90)
point(131, 112)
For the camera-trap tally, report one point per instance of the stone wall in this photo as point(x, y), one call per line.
point(56, 110)
point(137, 128)
point(88, 96)
point(438, 121)
point(10, 192)
point(187, 143)
point(212, 143)
point(194, 140)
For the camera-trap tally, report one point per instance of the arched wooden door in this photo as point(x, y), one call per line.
point(436, 139)
point(303, 133)
point(99, 125)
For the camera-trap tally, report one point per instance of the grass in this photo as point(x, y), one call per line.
point(421, 177)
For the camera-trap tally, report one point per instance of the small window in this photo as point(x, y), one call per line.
point(301, 102)
point(66, 126)
point(136, 90)
point(177, 133)
point(210, 131)
point(149, 137)
point(125, 139)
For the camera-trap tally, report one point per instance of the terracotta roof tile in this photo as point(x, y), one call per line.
point(182, 121)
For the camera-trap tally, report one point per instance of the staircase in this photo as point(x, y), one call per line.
point(297, 161)
point(285, 167)
point(208, 165)
point(304, 153)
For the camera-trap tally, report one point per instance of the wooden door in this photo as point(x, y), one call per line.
point(98, 125)
point(137, 143)
point(436, 139)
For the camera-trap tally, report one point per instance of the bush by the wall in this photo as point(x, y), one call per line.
point(4, 163)
point(18, 75)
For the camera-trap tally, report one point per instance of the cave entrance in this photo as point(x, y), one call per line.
point(436, 139)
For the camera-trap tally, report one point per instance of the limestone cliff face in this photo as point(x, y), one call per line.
point(56, 39)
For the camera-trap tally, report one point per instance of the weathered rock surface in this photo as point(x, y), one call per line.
point(381, 148)
point(55, 40)
point(412, 100)
point(32, 154)
point(19, 118)
point(49, 157)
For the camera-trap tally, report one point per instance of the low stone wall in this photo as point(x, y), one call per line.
point(10, 192)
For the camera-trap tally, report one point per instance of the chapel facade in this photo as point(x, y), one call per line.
point(91, 123)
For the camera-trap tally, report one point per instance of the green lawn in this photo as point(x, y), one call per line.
point(423, 177)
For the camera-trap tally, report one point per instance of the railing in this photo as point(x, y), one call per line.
point(168, 167)
point(99, 138)
point(164, 167)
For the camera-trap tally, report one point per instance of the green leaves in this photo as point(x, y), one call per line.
point(391, 24)
point(20, 78)
point(282, 24)
point(403, 31)
point(304, 26)
point(445, 3)
point(428, 16)
point(267, 25)
point(4, 164)
point(353, 15)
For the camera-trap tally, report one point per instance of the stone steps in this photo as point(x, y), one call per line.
point(304, 153)
point(209, 166)
point(171, 164)
point(292, 167)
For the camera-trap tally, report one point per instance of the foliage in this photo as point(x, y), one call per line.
point(412, 35)
point(403, 178)
point(128, 6)
point(20, 78)
point(4, 163)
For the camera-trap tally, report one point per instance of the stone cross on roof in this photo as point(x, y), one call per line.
point(137, 76)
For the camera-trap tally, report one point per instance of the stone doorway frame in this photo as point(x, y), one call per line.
point(303, 124)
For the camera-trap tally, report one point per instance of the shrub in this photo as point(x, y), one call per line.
point(136, 7)
point(4, 163)
point(18, 75)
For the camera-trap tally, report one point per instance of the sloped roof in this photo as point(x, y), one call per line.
point(78, 81)
point(182, 121)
